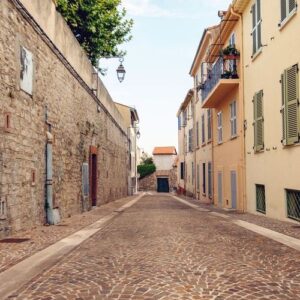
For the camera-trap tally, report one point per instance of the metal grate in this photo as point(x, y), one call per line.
point(260, 198)
point(293, 204)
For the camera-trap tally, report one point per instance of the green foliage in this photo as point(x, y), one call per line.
point(100, 26)
point(147, 160)
point(146, 169)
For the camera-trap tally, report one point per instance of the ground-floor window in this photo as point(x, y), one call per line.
point(209, 171)
point(203, 179)
point(293, 204)
point(198, 177)
point(233, 182)
point(182, 170)
point(260, 198)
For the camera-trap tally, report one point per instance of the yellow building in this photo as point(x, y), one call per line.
point(271, 89)
point(186, 161)
point(203, 120)
point(222, 91)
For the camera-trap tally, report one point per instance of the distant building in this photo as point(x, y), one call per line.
point(165, 177)
point(131, 119)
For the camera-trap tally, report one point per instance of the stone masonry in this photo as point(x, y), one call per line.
point(77, 122)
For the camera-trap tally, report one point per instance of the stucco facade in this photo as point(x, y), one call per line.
point(274, 167)
point(56, 137)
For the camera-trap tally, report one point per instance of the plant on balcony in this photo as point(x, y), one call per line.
point(230, 52)
point(229, 75)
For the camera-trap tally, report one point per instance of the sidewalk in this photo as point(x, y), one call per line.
point(44, 236)
point(291, 229)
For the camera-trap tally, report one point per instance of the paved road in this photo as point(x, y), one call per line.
point(162, 249)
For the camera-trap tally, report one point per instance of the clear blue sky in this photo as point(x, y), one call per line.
point(166, 35)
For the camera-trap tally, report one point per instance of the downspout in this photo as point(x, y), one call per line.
point(243, 168)
point(49, 188)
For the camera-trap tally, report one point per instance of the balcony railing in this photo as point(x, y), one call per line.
point(222, 69)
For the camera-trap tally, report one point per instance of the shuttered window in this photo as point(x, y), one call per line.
point(203, 128)
point(190, 140)
point(85, 179)
point(182, 170)
point(290, 105)
point(209, 170)
point(198, 177)
point(233, 120)
point(179, 122)
point(256, 27)
point(220, 128)
point(287, 8)
point(203, 179)
point(209, 124)
point(197, 133)
point(258, 121)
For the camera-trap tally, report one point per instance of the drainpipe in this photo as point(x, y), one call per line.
point(243, 167)
point(49, 189)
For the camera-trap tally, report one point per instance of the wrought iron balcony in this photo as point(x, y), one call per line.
point(222, 78)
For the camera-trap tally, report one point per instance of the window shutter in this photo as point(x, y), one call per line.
point(258, 121)
point(292, 5)
point(291, 105)
point(283, 108)
point(283, 9)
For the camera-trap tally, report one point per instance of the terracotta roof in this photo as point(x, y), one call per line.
point(164, 151)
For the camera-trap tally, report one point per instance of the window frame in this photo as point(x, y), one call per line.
point(233, 119)
point(220, 127)
point(288, 13)
point(255, 28)
point(203, 129)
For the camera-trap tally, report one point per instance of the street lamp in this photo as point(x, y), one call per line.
point(121, 70)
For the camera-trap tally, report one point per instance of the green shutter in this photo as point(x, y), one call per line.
point(291, 105)
point(283, 10)
point(283, 108)
point(258, 121)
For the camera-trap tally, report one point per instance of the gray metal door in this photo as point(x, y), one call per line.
point(233, 189)
point(220, 189)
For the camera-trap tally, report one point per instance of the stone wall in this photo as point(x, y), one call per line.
point(77, 122)
point(149, 183)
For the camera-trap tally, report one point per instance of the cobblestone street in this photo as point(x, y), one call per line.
point(162, 249)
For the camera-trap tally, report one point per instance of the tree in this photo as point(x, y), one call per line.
point(147, 167)
point(100, 26)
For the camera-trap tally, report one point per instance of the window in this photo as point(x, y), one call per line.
point(2, 208)
point(182, 170)
point(260, 198)
point(193, 173)
point(184, 118)
point(293, 204)
point(258, 121)
point(256, 27)
point(233, 124)
point(209, 124)
point(198, 177)
point(220, 128)
point(288, 7)
point(232, 39)
point(209, 171)
point(179, 122)
point(26, 74)
point(203, 128)
point(190, 149)
point(197, 133)
point(203, 179)
point(85, 178)
point(290, 108)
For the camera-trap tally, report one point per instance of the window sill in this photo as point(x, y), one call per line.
point(203, 144)
point(256, 54)
point(209, 141)
point(283, 23)
point(3, 217)
point(234, 137)
point(220, 143)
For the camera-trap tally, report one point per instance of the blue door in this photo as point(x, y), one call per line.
point(163, 185)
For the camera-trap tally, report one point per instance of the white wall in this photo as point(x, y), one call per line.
point(164, 162)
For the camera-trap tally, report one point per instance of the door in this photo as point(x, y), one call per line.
point(220, 189)
point(233, 189)
point(93, 176)
point(163, 185)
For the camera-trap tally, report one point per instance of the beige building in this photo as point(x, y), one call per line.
point(131, 120)
point(203, 186)
point(186, 155)
point(272, 118)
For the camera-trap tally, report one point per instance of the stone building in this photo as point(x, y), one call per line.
point(165, 177)
point(63, 143)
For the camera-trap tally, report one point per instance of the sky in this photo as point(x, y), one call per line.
point(166, 35)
